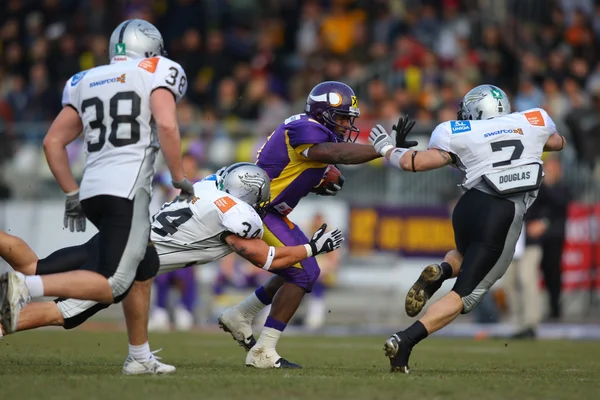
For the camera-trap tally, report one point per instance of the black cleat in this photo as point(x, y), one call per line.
point(247, 343)
point(398, 353)
point(428, 283)
point(282, 363)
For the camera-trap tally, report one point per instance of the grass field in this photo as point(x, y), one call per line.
point(54, 364)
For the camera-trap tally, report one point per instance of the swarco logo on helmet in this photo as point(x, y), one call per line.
point(335, 106)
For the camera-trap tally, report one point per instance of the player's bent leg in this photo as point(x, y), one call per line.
point(299, 280)
point(17, 253)
point(137, 239)
point(431, 279)
point(37, 315)
point(237, 320)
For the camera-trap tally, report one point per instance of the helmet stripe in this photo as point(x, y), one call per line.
point(122, 33)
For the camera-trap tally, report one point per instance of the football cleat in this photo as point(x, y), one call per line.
point(428, 283)
point(232, 321)
point(262, 358)
point(398, 353)
point(151, 366)
point(14, 295)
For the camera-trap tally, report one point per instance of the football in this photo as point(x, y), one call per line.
point(331, 175)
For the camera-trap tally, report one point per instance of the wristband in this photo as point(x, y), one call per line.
point(309, 252)
point(385, 149)
point(270, 258)
point(396, 155)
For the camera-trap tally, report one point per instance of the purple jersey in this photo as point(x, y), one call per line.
point(292, 174)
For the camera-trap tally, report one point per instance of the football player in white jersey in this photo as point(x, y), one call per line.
point(499, 153)
point(222, 217)
point(123, 108)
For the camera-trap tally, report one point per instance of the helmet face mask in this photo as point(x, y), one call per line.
point(335, 106)
point(484, 102)
point(135, 39)
point(249, 183)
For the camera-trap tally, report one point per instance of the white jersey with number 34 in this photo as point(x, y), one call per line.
point(494, 145)
point(113, 102)
point(193, 233)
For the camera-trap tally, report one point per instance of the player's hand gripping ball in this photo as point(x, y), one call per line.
point(331, 183)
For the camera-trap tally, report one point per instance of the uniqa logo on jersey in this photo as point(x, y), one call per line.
point(77, 77)
point(460, 126)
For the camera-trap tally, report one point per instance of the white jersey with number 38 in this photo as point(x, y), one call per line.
point(494, 145)
point(193, 233)
point(113, 102)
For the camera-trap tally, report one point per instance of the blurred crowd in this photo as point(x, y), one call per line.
point(250, 63)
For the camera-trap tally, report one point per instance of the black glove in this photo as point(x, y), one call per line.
point(74, 215)
point(325, 242)
point(402, 128)
point(186, 187)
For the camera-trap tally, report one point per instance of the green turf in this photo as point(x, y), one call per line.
point(84, 365)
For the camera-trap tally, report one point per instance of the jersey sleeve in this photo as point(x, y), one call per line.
point(538, 117)
point(70, 96)
point(243, 221)
point(306, 133)
point(166, 74)
point(440, 138)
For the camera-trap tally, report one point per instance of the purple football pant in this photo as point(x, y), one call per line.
point(280, 231)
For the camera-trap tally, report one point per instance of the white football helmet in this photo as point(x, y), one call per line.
point(484, 102)
point(249, 183)
point(135, 38)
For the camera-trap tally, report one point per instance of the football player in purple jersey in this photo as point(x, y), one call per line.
point(295, 156)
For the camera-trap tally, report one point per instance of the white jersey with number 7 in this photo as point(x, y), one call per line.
point(488, 146)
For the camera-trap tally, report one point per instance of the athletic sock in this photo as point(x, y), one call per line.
point(140, 353)
point(35, 285)
point(270, 333)
point(446, 270)
point(414, 333)
point(252, 304)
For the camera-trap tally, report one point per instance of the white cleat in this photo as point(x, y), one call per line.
point(233, 322)
point(152, 366)
point(263, 358)
point(14, 295)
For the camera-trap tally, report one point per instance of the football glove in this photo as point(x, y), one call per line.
point(186, 187)
point(324, 242)
point(332, 188)
point(74, 216)
point(401, 130)
point(381, 140)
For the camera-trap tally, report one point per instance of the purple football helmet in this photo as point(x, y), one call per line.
point(330, 99)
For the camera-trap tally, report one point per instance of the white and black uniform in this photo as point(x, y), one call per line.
point(501, 161)
point(113, 102)
point(184, 234)
point(193, 233)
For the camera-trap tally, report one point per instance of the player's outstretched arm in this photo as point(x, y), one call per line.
point(65, 129)
point(273, 258)
point(416, 161)
point(164, 112)
point(342, 153)
point(556, 142)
